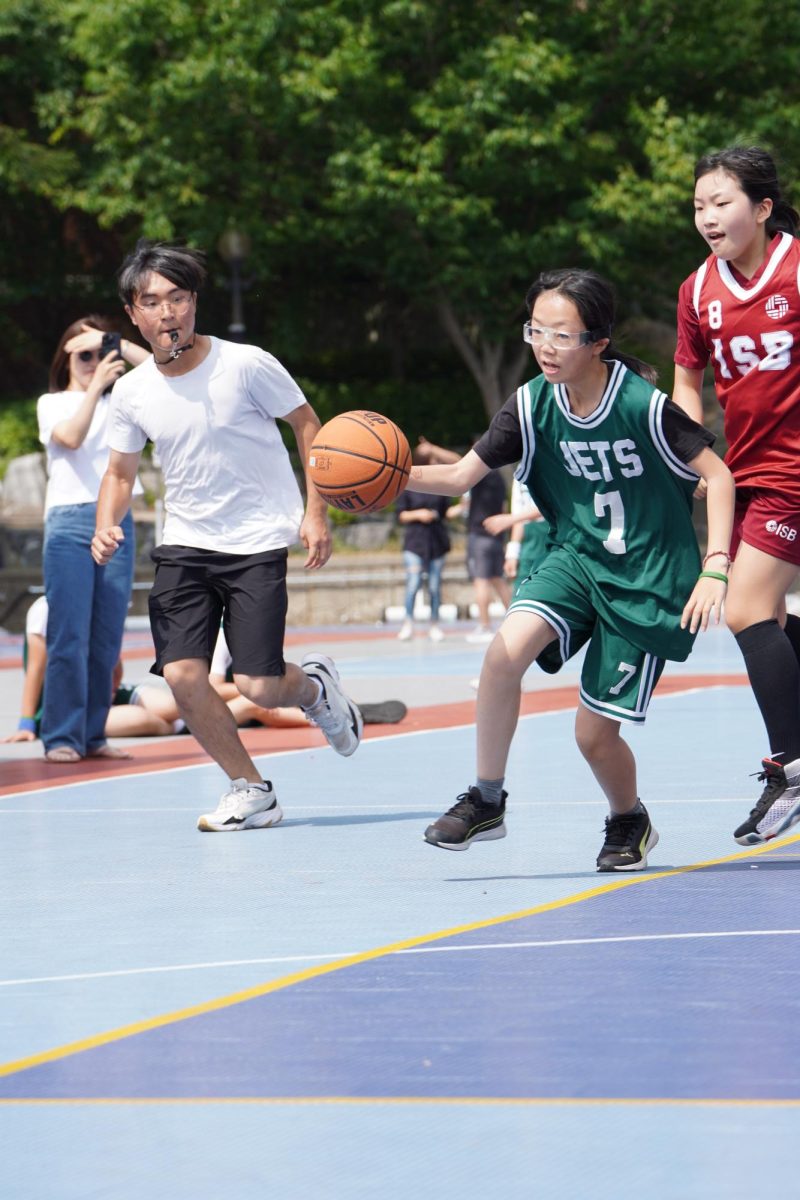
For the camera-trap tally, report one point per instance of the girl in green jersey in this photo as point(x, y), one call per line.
point(611, 463)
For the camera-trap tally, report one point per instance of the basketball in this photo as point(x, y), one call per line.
point(359, 461)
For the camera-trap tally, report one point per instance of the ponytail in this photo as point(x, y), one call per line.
point(637, 365)
point(783, 218)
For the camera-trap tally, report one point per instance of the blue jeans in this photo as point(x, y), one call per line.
point(415, 569)
point(87, 607)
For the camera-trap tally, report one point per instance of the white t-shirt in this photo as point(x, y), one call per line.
point(228, 480)
point(36, 618)
point(74, 475)
point(521, 499)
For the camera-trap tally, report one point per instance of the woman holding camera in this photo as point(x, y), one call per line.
point(87, 603)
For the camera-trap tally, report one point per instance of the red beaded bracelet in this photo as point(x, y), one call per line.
point(715, 553)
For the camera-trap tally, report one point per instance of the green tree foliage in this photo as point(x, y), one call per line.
point(405, 167)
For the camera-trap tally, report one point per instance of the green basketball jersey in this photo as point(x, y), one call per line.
point(619, 501)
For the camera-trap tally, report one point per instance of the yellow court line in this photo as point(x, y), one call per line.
point(409, 1101)
point(264, 989)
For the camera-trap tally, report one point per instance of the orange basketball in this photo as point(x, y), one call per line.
point(359, 461)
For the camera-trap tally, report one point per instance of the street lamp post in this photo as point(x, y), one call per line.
point(234, 247)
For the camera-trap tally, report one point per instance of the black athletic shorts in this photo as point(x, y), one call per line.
point(196, 589)
point(485, 556)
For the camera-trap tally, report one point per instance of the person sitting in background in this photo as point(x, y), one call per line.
point(149, 710)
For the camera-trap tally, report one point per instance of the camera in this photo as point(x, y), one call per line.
point(111, 341)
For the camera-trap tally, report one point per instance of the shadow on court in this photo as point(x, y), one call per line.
point(361, 819)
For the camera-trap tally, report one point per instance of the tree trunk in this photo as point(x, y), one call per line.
point(495, 375)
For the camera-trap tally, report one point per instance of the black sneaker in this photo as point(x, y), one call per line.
point(470, 820)
point(778, 806)
point(629, 839)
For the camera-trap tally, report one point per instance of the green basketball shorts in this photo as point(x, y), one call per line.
point(618, 678)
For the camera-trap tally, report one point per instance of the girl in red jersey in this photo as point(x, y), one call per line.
point(741, 309)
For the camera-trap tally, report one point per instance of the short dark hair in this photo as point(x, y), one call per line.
point(181, 265)
point(754, 170)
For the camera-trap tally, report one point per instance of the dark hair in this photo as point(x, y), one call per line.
point(755, 171)
point(181, 265)
point(594, 299)
point(59, 367)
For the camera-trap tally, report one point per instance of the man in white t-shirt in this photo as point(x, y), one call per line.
point(233, 508)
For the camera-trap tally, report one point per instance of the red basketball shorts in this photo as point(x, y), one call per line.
point(769, 521)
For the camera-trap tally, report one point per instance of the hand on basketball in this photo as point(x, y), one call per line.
point(105, 542)
point(315, 535)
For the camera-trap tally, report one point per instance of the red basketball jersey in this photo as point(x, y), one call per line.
point(750, 329)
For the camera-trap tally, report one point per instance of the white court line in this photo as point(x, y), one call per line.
point(255, 962)
point(270, 756)
point(206, 966)
point(415, 733)
point(634, 937)
point(292, 808)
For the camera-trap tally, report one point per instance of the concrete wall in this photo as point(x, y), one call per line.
point(353, 587)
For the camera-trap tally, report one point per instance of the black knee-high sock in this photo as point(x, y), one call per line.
point(774, 674)
point(792, 631)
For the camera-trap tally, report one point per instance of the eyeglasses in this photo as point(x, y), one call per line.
point(178, 303)
point(88, 355)
point(537, 335)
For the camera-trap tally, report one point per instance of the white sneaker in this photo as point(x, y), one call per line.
point(479, 636)
point(334, 713)
point(406, 631)
point(435, 634)
point(245, 806)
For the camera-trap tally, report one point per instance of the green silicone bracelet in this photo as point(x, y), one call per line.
point(713, 575)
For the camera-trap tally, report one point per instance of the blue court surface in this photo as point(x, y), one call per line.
point(334, 1008)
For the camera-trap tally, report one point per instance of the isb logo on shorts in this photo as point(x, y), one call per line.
point(787, 532)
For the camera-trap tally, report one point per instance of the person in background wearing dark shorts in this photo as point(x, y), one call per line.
point(233, 508)
point(485, 551)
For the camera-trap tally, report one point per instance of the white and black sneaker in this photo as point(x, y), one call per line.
point(334, 714)
point(245, 806)
point(778, 807)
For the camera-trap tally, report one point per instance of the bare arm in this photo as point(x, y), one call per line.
point(91, 338)
point(315, 532)
point(501, 522)
point(71, 432)
point(452, 479)
point(113, 502)
point(709, 593)
point(687, 392)
point(422, 516)
point(437, 454)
